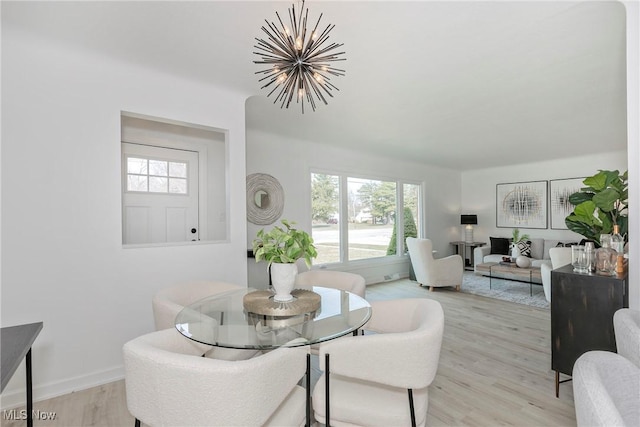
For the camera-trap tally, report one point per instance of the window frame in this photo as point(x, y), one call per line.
point(343, 202)
point(149, 175)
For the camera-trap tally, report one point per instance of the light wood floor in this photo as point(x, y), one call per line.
point(495, 369)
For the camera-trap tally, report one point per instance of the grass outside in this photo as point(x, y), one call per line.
point(330, 253)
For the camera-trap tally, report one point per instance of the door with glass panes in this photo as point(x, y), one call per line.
point(160, 197)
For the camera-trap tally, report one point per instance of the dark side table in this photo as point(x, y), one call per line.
point(16, 344)
point(465, 250)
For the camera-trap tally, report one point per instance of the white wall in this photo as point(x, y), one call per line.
point(479, 189)
point(62, 256)
point(291, 161)
point(633, 134)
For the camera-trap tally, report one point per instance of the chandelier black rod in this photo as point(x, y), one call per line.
point(298, 62)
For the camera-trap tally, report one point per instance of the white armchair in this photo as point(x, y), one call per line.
point(167, 303)
point(377, 379)
point(168, 384)
point(606, 390)
point(560, 256)
point(626, 325)
point(350, 282)
point(433, 272)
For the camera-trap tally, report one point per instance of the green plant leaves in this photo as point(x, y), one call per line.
point(577, 198)
point(600, 205)
point(516, 237)
point(606, 199)
point(284, 245)
point(585, 212)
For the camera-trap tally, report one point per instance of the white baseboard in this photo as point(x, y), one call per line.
point(15, 398)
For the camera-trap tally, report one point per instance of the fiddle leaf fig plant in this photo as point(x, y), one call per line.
point(284, 245)
point(600, 205)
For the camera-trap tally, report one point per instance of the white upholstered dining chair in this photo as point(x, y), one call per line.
point(432, 272)
point(344, 281)
point(168, 302)
point(626, 325)
point(382, 379)
point(168, 383)
point(606, 390)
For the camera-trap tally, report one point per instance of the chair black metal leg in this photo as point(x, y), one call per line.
point(326, 390)
point(413, 412)
point(137, 423)
point(308, 422)
point(29, 390)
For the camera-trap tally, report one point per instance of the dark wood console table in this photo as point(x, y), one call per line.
point(16, 345)
point(582, 308)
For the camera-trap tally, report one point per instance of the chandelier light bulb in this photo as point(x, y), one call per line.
point(307, 67)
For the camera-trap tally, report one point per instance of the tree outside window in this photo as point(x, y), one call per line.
point(370, 217)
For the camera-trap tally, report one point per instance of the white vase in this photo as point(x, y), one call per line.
point(523, 261)
point(515, 252)
point(283, 278)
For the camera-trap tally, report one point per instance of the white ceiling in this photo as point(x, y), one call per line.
point(463, 85)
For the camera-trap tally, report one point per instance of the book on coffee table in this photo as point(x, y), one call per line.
point(510, 264)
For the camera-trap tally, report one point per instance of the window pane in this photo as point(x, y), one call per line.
point(136, 183)
point(372, 209)
point(157, 167)
point(136, 165)
point(179, 170)
point(177, 186)
point(411, 194)
point(325, 197)
point(157, 184)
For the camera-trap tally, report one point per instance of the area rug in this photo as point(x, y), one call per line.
point(506, 290)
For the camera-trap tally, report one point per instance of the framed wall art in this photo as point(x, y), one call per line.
point(521, 204)
point(559, 192)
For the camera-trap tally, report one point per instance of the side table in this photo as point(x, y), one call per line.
point(16, 345)
point(465, 249)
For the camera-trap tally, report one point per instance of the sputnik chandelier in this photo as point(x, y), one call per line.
point(299, 64)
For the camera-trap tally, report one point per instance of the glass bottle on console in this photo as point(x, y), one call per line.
point(617, 244)
point(617, 241)
point(606, 257)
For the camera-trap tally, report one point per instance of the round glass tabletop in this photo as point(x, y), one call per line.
point(222, 320)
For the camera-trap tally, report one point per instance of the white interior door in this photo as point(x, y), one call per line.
point(160, 197)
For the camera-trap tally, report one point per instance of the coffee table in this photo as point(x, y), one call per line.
point(496, 270)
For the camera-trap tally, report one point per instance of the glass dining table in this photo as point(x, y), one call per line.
point(222, 320)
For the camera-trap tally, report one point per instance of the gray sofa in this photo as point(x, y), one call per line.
point(539, 252)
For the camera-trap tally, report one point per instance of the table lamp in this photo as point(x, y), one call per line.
point(468, 221)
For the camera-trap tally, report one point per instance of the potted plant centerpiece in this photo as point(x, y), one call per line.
point(281, 248)
point(515, 248)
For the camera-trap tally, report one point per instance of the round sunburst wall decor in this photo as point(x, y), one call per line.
point(265, 199)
